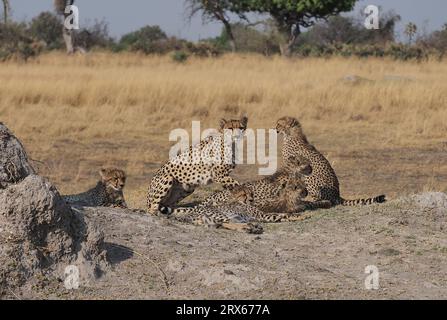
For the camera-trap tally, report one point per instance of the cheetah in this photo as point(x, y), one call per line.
point(108, 192)
point(212, 160)
point(269, 193)
point(291, 199)
point(238, 214)
point(322, 184)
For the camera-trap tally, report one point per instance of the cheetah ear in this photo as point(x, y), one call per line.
point(222, 123)
point(293, 122)
point(103, 173)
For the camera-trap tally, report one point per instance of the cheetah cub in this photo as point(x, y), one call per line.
point(232, 215)
point(239, 214)
point(322, 183)
point(291, 199)
point(282, 192)
point(108, 192)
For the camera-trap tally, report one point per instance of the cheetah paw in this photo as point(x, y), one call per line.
point(253, 228)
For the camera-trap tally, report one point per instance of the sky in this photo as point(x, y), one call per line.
point(170, 15)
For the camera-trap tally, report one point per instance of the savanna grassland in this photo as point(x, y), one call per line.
point(381, 123)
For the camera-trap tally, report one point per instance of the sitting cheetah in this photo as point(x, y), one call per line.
point(238, 214)
point(322, 184)
point(108, 191)
point(211, 160)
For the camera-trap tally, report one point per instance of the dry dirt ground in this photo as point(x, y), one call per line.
point(323, 257)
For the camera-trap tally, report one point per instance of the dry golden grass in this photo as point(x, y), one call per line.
point(76, 114)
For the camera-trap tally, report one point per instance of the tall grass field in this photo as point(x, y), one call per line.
point(381, 123)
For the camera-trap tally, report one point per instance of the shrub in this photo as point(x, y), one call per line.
point(95, 36)
point(407, 52)
point(180, 56)
point(142, 39)
point(15, 42)
point(349, 30)
point(47, 27)
point(436, 41)
point(202, 49)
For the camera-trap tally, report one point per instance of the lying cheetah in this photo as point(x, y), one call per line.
point(108, 191)
point(291, 199)
point(238, 214)
point(270, 193)
point(211, 160)
point(322, 184)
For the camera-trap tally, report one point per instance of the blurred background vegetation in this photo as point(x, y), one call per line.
point(324, 36)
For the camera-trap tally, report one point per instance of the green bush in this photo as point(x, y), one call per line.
point(180, 56)
point(248, 39)
point(142, 39)
point(394, 51)
point(47, 27)
point(16, 43)
point(202, 49)
point(94, 36)
point(407, 52)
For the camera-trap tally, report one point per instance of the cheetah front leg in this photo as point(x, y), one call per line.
point(159, 192)
point(282, 217)
point(252, 228)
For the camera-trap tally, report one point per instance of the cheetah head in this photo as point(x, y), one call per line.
point(113, 178)
point(242, 195)
point(298, 166)
point(296, 189)
point(286, 124)
point(237, 127)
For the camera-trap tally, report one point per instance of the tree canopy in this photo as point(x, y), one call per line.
point(291, 15)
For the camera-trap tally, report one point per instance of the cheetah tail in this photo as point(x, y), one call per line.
point(363, 202)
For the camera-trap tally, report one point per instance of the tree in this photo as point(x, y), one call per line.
point(217, 10)
point(6, 8)
point(410, 31)
point(293, 15)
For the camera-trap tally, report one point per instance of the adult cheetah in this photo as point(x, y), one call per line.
point(322, 184)
point(107, 192)
point(212, 160)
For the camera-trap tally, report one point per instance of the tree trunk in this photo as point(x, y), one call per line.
point(230, 34)
point(290, 36)
point(285, 49)
point(5, 10)
point(67, 34)
point(68, 39)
